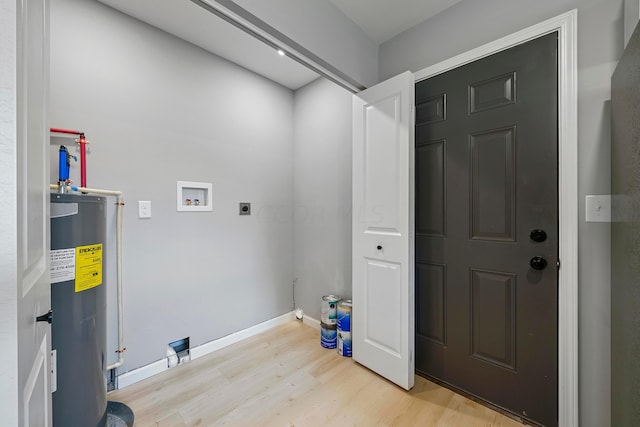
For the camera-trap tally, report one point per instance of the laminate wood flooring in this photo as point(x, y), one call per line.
point(283, 377)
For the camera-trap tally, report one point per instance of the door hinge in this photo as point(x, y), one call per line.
point(54, 371)
point(558, 264)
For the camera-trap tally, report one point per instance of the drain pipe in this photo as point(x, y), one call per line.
point(120, 204)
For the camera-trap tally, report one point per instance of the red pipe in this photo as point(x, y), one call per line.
point(83, 160)
point(72, 132)
point(83, 152)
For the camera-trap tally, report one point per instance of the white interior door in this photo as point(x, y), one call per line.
point(383, 268)
point(25, 291)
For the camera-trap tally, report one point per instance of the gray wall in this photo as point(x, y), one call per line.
point(322, 194)
point(158, 110)
point(470, 24)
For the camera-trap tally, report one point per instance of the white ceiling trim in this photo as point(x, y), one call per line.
point(257, 28)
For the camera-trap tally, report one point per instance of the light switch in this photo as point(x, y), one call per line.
point(598, 208)
point(144, 209)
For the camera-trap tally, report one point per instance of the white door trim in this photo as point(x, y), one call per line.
point(567, 27)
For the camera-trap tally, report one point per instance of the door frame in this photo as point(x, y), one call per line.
point(8, 214)
point(567, 27)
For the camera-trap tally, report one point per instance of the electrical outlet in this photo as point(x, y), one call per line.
point(245, 208)
point(144, 209)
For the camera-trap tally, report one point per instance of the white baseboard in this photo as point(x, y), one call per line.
point(142, 373)
point(161, 365)
point(214, 345)
point(310, 321)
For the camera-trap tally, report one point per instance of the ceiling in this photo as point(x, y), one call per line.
point(379, 19)
point(384, 19)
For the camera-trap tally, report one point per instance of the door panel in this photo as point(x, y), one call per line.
point(383, 323)
point(383, 278)
point(431, 207)
point(493, 190)
point(431, 297)
point(494, 92)
point(382, 185)
point(486, 176)
point(431, 110)
point(493, 317)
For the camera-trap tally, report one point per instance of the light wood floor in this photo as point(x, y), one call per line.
point(283, 377)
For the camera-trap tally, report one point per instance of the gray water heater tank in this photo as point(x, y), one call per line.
point(78, 224)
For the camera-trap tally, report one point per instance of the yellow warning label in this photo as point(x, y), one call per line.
point(88, 267)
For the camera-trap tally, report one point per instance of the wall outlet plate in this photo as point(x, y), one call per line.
point(245, 208)
point(598, 208)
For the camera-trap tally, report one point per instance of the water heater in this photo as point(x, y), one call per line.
point(78, 300)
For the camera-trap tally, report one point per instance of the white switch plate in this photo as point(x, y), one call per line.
point(144, 209)
point(598, 208)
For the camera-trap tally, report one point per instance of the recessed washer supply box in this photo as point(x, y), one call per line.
point(194, 196)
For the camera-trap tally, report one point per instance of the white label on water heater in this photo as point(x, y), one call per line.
point(63, 265)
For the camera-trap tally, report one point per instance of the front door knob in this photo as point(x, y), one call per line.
point(538, 263)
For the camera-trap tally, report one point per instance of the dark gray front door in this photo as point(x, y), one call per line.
point(487, 229)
